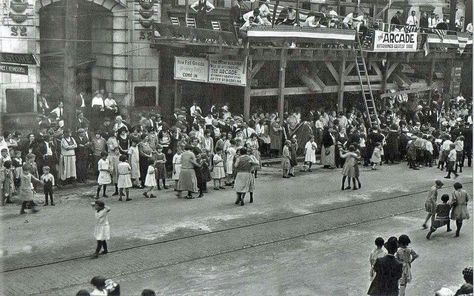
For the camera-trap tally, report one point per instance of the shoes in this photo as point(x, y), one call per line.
point(105, 195)
point(120, 199)
point(200, 195)
point(152, 196)
point(115, 194)
point(348, 187)
point(128, 199)
point(145, 195)
point(241, 202)
point(165, 187)
point(95, 256)
point(104, 252)
point(221, 187)
point(237, 201)
point(424, 226)
point(449, 230)
point(428, 236)
point(354, 188)
point(216, 188)
point(447, 177)
point(52, 204)
point(45, 204)
point(189, 197)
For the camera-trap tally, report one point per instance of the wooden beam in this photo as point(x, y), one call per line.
point(401, 79)
point(256, 68)
point(376, 68)
point(391, 69)
point(349, 69)
point(372, 78)
point(333, 71)
point(308, 80)
point(303, 90)
point(340, 94)
point(409, 91)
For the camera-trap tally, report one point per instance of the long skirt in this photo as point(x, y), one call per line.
point(187, 180)
point(328, 156)
point(102, 232)
point(244, 182)
point(67, 167)
point(176, 172)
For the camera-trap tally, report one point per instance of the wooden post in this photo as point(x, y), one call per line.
point(186, 11)
point(297, 13)
point(340, 92)
point(69, 87)
point(281, 84)
point(247, 89)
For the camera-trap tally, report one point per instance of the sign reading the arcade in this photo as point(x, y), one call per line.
point(395, 41)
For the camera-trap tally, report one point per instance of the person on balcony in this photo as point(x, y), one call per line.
point(424, 20)
point(443, 25)
point(257, 18)
point(412, 20)
point(290, 19)
point(352, 20)
point(202, 8)
point(432, 20)
point(460, 24)
point(395, 21)
point(469, 28)
point(313, 22)
point(236, 13)
point(265, 9)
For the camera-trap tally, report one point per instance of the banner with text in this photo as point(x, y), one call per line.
point(191, 69)
point(395, 41)
point(231, 72)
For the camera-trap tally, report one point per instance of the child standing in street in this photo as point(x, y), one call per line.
point(150, 180)
point(160, 166)
point(202, 174)
point(104, 178)
point(6, 182)
point(459, 146)
point(218, 173)
point(310, 153)
point(376, 155)
point(229, 162)
point(442, 216)
point(17, 163)
point(286, 159)
point(124, 179)
point(406, 256)
point(102, 227)
point(376, 253)
point(114, 161)
point(176, 168)
point(48, 182)
point(452, 156)
point(25, 192)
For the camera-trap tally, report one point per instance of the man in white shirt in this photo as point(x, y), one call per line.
point(460, 24)
point(110, 104)
point(59, 110)
point(312, 22)
point(195, 109)
point(469, 28)
point(412, 20)
point(257, 19)
point(97, 101)
point(265, 9)
point(209, 6)
point(352, 20)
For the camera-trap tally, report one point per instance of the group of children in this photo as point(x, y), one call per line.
point(119, 169)
point(404, 255)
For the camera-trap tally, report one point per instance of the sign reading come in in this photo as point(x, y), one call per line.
point(395, 41)
point(231, 72)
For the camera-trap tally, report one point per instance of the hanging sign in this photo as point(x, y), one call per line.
point(395, 41)
point(14, 69)
point(231, 72)
point(227, 72)
point(191, 69)
point(17, 58)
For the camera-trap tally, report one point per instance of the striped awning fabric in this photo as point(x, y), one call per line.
point(295, 33)
point(459, 41)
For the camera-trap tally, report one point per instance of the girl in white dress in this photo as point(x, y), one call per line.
point(102, 227)
point(176, 168)
point(104, 177)
point(310, 153)
point(150, 180)
point(124, 179)
point(218, 172)
point(229, 163)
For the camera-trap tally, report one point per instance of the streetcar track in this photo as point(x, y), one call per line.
point(227, 230)
point(235, 250)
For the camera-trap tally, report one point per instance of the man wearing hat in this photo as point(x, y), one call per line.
point(82, 154)
point(396, 21)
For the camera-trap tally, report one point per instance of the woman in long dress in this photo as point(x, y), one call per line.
point(67, 163)
point(328, 149)
point(276, 136)
point(187, 177)
point(459, 211)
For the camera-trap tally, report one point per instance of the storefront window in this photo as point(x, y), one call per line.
point(20, 100)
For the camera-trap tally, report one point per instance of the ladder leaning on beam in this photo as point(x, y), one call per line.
point(368, 96)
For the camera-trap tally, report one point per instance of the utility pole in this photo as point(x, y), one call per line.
point(452, 14)
point(70, 51)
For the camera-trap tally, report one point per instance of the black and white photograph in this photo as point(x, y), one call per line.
point(236, 147)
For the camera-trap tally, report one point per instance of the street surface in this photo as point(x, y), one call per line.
point(301, 236)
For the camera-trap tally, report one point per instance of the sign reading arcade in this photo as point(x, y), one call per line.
point(395, 41)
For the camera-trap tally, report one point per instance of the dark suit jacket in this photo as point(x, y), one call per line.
point(388, 271)
point(82, 152)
